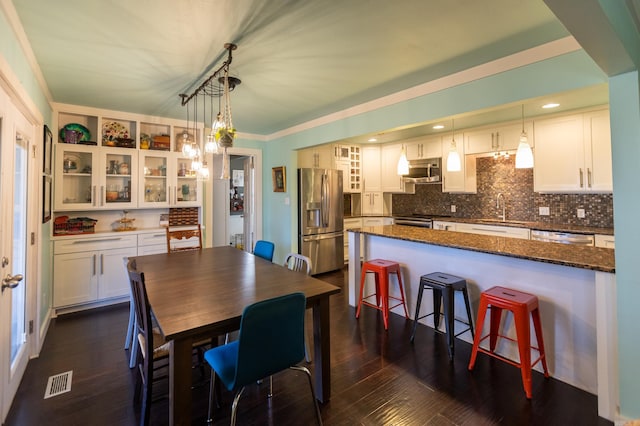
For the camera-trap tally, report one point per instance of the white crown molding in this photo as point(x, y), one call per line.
point(16, 25)
point(526, 57)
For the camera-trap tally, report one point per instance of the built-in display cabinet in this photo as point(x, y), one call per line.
point(106, 162)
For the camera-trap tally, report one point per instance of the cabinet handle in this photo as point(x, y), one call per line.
point(102, 264)
point(497, 140)
point(91, 241)
point(589, 177)
point(94, 264)
point(581, 178)
point(102, 195)
point(175, 195)
point(93, 196)
point(493, 143)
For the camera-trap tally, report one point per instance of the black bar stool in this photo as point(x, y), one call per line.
point(443, 286)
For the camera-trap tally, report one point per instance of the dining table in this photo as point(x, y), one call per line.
point(202, 294)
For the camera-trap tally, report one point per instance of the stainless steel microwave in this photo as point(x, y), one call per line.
point(425, 171)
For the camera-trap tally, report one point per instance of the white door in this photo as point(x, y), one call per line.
point(16, 138)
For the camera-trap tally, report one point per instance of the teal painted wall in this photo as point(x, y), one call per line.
point(624, 94)
point(562, 73)
point(12, 53)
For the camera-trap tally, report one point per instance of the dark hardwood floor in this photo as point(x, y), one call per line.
point(378, 378)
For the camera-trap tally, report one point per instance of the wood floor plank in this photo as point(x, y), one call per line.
point(377, 378)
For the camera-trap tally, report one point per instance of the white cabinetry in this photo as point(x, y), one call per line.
point(372, 203)
point(90, 177)
point(424, 147)
point(167, 181)
point(90, 270)
point(351, 223)
point(317, 157)
point(444, 226)
point(465, 180)
point(606, 241)
point(573, 154)
point(152, 243)
point(391, 181)
point(496, 230)
point(496, 139)
point(371, 168)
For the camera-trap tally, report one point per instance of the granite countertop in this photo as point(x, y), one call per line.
point(585, 257)
point(539, 226)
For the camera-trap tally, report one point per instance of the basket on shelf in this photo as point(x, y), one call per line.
point(63, 225)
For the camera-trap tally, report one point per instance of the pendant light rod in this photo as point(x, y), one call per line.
point(233, 82)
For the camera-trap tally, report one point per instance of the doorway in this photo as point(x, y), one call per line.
point(17, 255)
point(236, 207)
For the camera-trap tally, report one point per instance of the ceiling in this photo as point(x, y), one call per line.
point(298, 60)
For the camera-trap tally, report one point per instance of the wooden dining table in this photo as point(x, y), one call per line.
point(202, 293)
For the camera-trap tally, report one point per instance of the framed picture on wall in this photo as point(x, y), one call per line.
point(278, 176)
point(47, 150)
point(46, 199)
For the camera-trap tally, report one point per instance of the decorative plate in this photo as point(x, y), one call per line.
point(83, 133)
point(112, 130)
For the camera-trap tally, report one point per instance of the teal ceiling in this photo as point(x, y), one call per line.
point(298, 60)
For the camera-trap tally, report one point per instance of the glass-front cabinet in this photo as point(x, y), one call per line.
point(94, 177)
point(167, 181)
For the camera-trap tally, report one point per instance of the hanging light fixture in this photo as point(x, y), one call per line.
point(222, 133)
point(453, 159)
point(524, 155)
point(403, 163)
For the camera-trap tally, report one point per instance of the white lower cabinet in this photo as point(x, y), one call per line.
point(88, 270)
point(152, 243)
point(350, 223)
point(496, 230)
point(606, 241)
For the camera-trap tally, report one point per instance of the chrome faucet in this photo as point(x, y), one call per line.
point(504, 206)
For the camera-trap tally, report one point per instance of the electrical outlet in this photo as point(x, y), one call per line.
point(453, 208)
point(543, 211)
point(580, 213)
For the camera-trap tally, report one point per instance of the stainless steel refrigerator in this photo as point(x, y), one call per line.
point(320, 218)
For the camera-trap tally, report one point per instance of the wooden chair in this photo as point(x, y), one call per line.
point(152, 346)
point(182, 235)
point(153, 350)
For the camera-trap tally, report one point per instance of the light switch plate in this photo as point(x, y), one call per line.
point(453, 208)
point(580, 213)
point(543, 211)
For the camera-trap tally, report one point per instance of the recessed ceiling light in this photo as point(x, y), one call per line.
point(372, 140)
point(550, 105)
point(438, 127)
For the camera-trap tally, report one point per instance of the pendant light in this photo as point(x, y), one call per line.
point(453, 159)
point(524, 155)
point(403, 163)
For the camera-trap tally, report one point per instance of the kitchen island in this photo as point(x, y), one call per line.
point(575, 286)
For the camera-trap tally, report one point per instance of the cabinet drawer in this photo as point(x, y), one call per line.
point(152, 238)
point(103, 242)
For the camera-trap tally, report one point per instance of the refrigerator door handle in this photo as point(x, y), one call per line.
point(325, 201)
point(308, 238)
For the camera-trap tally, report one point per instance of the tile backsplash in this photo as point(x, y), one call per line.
point(501, 176)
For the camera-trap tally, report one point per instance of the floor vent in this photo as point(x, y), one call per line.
point(58, 384)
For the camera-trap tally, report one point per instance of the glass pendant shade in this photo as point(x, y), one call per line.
point(524, 155)
point(453, 159)
point(403, 163)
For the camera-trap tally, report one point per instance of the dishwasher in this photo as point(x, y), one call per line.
point(563, 237)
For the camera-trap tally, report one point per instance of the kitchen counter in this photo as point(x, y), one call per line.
point(539, 226)
point(576, 287)
point(585, 257)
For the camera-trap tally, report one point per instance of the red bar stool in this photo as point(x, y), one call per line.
point(381, 268)
point(521, 304)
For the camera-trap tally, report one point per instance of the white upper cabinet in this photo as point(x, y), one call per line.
point(496, 139)
point(391, 181)
point(371, 168)
point(573, 154)
point(465, 180)
point(424, 147)
point(317, 157)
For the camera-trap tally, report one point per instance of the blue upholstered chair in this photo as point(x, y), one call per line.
point(259, 352)
point(264, 249)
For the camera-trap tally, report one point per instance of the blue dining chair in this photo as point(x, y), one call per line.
point(264, 249)
point(259, 352)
